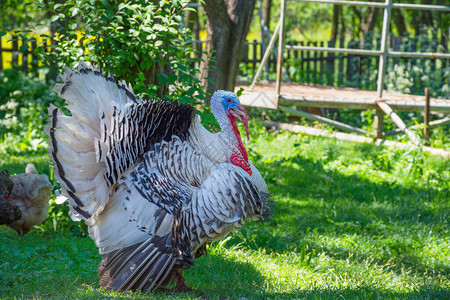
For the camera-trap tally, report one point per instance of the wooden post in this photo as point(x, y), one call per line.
point(330, 64)
point(398, 121)
point(384, 47)
point(302, 63)
point(321, 65)
point(379, 123)
point(255, 53)
point(280, 48)
point(308, 65)
point(263, 36)
point(315, 64)
point(426, 117)
point(245, 57)
point(34, 60)
point(266, 56)
point(15, 51)
point(25, 57)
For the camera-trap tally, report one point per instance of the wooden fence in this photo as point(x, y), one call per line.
point(302, 66)
point(18, 53)
point(337, 69)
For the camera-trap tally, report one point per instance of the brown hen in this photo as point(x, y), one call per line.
point(30, 194)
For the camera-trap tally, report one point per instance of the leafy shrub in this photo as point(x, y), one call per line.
point(138, 41)
point(23, 112)
point(58, 220)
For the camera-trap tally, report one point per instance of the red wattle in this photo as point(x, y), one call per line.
point(239, 161)
point(242, 159)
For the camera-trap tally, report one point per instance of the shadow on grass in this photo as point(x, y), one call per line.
point(381, 222)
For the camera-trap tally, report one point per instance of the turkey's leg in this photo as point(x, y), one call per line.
point(181, 282)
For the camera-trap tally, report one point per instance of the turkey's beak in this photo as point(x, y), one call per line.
point(242, 115)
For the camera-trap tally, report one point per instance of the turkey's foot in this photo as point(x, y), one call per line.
point(181, 282)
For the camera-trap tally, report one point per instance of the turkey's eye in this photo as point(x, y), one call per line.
point(228, 100)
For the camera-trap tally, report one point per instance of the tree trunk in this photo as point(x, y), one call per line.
point(399, 21)
point(335, 25)
point(267, 5)
point(227, 27)
point(369, 24)
point(191, 21)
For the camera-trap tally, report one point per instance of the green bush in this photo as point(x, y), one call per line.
point(23, 112)
point(138, 41)
point(58, 220)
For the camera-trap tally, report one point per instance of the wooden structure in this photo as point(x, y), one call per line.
point(286, 96)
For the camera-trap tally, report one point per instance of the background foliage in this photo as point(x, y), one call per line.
point(137, 41)
point(23, 110)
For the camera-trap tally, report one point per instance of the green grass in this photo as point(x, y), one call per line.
point(350, 221)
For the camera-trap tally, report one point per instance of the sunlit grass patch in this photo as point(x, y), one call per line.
point(348, 222)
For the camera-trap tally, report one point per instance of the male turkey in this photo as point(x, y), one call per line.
point(152, 184)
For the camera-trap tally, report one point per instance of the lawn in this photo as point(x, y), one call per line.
point(349, 221)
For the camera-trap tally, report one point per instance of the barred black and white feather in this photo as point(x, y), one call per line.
point(153, 185)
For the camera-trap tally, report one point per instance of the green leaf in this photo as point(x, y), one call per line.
point(162, 78)
point(54, 18)
point(74, 11)
point(23, 48)
point(173, 30)
point(172, 78)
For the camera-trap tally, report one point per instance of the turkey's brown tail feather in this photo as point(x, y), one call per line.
point(143, 266)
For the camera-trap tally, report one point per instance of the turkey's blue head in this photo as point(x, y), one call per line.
point(226, 107)
point(232, 108)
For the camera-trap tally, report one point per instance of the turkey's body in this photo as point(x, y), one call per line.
point(152, 184)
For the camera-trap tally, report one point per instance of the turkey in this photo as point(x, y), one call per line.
point(8, 212)
point(152, 184)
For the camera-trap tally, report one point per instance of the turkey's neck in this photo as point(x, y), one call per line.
point(239, 156)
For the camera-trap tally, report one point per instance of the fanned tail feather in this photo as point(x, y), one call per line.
point(108, 131)
point(89, 96)
point(143, 266)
